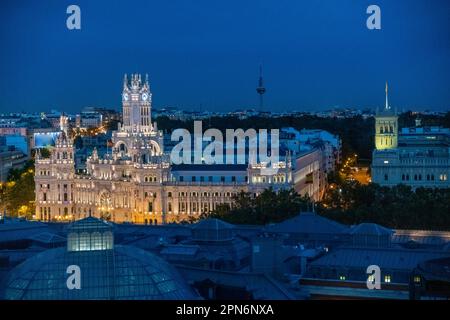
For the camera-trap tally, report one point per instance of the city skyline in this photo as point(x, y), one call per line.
point(315, 56)
point(210, 151)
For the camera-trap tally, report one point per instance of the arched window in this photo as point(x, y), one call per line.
point(85, 241)
point(107, 240)
point(381, 129)
point(407, 177)
point(386, 177)
point(391, 129)
point(403, 177)
point(96, 241)
point(73, 242)
point(386, 129)
point(428, 177)
point(415, 177)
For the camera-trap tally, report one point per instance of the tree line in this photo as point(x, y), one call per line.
point(398, 207)
point(268, 207)
point(350, 203)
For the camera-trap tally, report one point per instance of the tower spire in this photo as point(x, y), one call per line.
point(387, 103)
point(260, 89)
point(125, 81)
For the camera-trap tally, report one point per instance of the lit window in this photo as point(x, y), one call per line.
point(416, 279)
point(371, 278)
point(96, 241)
point(342, 278)
point(72, 242)
point(85, 241)
point(385, 161)
point(387, 278)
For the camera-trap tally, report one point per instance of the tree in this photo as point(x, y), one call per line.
point(397, 207)
point(17, 194)
point(268, 207)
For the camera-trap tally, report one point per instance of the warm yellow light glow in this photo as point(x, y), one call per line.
point(23, 210)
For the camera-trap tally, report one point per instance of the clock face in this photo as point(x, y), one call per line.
point(125, 96)
point(144, 96)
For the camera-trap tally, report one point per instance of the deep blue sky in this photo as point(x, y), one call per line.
point(316, 54)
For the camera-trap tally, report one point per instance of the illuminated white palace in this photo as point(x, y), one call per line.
point(136, 182)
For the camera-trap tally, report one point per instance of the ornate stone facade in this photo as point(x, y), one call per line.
point(136, 182)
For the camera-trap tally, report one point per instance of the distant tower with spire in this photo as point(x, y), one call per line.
point(386, 126)
point(260, 89)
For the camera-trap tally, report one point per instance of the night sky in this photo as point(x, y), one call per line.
point(316, 54)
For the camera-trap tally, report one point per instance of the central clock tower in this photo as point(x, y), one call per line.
point(136, 101)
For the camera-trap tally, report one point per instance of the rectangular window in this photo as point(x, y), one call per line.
point(387, 278)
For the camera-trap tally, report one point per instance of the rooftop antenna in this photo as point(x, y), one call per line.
point(260, 89)
point(387, 103)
